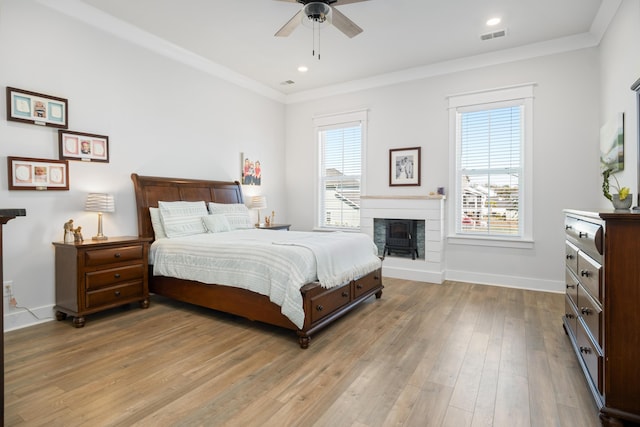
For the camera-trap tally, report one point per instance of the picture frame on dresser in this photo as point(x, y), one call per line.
point(83, 146)
point(36, 108)
point(37, 174)
point(404, 167)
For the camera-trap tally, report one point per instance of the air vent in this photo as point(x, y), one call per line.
point(493, 35)
point(287, 82)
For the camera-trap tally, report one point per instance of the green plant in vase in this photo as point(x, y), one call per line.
point(622, 200)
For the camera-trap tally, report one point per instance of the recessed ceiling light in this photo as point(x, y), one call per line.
point(303, 69)
point(493, 21)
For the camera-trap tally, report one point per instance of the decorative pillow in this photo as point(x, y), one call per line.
point(182, 218)
point(217, 223)
point(156, 223)
point(237, 214)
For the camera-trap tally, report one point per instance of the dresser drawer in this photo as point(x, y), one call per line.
point(112, 255)
point(590, 275)
point(571, 256)
point(571, 284)
point(590, 355)
point(329, 301)
point(591, 314)
point(366, 283)
point(586, 235)
point(571, 315)
point(115, 295)
point(103, 278)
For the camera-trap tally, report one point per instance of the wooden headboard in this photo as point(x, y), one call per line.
point(151, 189)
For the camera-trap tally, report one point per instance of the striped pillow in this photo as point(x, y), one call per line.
point(182, 218)
point(236, 213)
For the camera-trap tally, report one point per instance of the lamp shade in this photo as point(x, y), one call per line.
point(100, 202)
point(258, 202)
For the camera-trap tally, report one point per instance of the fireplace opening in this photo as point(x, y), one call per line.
point(401, 236)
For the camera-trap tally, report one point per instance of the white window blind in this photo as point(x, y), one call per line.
point(489, 167)
point(340, 175)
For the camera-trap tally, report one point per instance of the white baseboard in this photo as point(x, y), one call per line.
point(18, 318)
point(528, 283)
point(413, 274)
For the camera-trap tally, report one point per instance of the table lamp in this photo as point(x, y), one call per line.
point(100, 202)
point(258, 202)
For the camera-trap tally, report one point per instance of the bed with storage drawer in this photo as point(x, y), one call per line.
point(318, 297)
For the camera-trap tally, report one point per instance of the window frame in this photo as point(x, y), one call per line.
point(336, 121)
point(521, 95)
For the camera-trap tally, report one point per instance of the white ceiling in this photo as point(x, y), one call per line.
point(402, 39)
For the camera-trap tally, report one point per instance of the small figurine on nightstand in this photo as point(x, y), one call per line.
point(77, 235)
point(267, 221)
point(273, 217)
point(68, 232)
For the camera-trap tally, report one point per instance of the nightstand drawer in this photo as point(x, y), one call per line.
point(115, 295)
point(111, 255)
point(102, 278)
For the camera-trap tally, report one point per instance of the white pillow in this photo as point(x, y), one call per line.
point(156, 223)
point(182, 218)
point(237, 214)
point(217, 223)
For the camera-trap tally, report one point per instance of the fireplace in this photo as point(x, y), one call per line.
point(401, 235)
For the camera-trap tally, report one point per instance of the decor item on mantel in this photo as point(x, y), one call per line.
point(100, 202)
point(404, 167)
point(621, 200)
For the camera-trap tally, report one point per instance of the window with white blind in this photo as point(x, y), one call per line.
point(340, 170)
point(492, 164)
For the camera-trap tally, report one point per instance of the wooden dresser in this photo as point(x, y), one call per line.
point(602, 316)
point(95, 275)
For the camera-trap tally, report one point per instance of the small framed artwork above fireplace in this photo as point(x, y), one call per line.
point(404, 167)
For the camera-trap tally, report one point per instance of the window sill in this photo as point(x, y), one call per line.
point(520, 243)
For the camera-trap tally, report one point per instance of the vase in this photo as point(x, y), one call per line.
point(621, 204)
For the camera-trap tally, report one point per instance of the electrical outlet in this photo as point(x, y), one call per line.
point(7, 289)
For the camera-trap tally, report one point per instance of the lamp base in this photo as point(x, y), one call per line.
point(99, 238)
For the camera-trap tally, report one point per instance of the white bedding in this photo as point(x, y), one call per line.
point(272, 263)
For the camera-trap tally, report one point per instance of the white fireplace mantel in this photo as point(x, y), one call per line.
point(430, 209)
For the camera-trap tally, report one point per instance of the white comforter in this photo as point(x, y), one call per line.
point(269, 262)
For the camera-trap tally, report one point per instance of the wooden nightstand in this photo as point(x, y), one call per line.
point(94, 275)
point(274, 227)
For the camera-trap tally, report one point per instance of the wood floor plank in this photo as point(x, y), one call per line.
point(455, 354)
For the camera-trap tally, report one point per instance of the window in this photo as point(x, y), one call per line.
point(340, 141)
point(492, 166)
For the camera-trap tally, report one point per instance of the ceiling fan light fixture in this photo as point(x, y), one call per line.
point(317, 11)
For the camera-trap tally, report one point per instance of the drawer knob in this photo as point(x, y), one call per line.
point(585, 350)
point(581, 235)
point(358, 286)
point(117, 275)
point(586, 311)
point(568, 227)
point(585, 273)
point(319, 307)
point(117, 293)
point(569, 315)
point(569, 256)
point(117, 255)
point(345, 294)
point(571, 286)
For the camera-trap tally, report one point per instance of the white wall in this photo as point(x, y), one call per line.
point(162, 118)
point(566, 131)
point(620, 67)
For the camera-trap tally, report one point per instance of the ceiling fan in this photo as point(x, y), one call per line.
point(318, 11)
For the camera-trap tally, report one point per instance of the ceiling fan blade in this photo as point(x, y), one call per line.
point(341, 2)
point(291, 25)
point(344, 24)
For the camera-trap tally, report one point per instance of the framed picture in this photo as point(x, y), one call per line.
point(36, 108)
point(37, 174)
point(251, 170)
point(612, 144)
point(86, 147)
point(404, 166)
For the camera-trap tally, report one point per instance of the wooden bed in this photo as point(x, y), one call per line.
point(321, 306)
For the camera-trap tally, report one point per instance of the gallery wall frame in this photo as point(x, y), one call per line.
point(251, 170)
point(36, 108)
point(404, 167)
point(27, 173)
point(82, 146)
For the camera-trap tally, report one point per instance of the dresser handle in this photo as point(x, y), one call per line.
point(319, 307)
point(117, 275)
point(571, 286)
point(585, 273)
point(581, 235)
point(345, 294)
point(117, 255)
point(569, 315)
point(568, 227)
point(117, 293)
point(585, 310)
point(358, 286)
point(569, 256)
point(585, 350)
